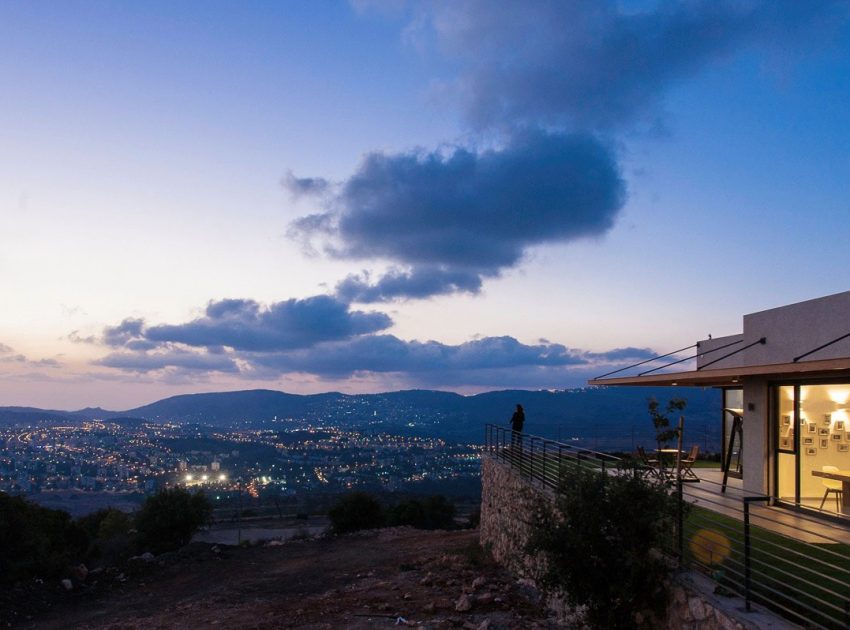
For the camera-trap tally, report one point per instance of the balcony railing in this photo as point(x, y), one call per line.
point(793, 563)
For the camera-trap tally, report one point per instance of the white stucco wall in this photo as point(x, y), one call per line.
point(712, 349)
point(755, 443)
point(789, 331)
point(797, 328)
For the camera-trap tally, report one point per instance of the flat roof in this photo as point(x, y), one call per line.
point(726, 377)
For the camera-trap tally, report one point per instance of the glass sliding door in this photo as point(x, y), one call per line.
point(812, 437)
point(824, 443)
point(786, 444)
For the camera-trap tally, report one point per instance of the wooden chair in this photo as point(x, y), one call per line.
point(688, 462)
point(652, 466)
point(832, 486)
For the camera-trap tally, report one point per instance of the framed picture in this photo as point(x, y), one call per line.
point(808, 441)
point(844, 448)
point(824, 443)
point(823, 431)
point(786, 421)
point(812, 427)
point(836, 437)
point(827, 419)
point(785, 443)
point(811, 451)
point(839, 425)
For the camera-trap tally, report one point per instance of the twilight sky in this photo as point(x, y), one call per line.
point(375, 195)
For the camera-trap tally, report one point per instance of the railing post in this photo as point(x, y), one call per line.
point(747, 549)
point(747, 567)
point(560, 463)
point(680, 525)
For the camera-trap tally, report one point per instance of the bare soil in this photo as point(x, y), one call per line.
point(383, 578)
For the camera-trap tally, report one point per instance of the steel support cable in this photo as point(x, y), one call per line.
point(660, 356)
point(762, 341)
point(698, 354)
point(826, 345)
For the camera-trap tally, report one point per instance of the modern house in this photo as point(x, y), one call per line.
point(786, 397)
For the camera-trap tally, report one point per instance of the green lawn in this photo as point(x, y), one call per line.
point(802, 581)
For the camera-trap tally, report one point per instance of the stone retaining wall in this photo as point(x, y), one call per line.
point(507, 503)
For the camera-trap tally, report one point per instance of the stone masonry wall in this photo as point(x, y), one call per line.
point(508, 500)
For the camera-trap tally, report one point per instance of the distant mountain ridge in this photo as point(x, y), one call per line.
point(593, 414)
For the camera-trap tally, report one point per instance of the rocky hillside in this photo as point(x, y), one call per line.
point(384, 578)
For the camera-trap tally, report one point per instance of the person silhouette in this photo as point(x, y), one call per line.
point(517, 422)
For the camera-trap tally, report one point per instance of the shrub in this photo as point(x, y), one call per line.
point(435, 512)
point(355, 511)
point(36, 541)
point(601, 545)
point(168, 519)
point(109, 532)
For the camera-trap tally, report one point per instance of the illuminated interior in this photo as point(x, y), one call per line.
point(812, 431)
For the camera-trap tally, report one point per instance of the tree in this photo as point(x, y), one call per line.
point(661, 420)
point(355, 511)
point(600, 542)
point(36, 541)
point(168, 519)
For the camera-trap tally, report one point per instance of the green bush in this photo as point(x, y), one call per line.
point(36, 541)
point(168, 519)
point(435, 512)
point(601, 543)
point(109, 532)
point(355, 511)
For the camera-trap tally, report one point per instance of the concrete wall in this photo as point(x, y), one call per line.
point(790, 331)
point(754, 454)
point(797, 328)
point(507, 500)
point(709, 350)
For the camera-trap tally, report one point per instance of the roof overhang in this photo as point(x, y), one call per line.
point(730, 377)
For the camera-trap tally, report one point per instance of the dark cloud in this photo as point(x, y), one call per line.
point(591, 64)
point(420, 282)
point(455, 219)
point(388, 353)
point(247, 325)
point(169, 358)
point(489, 361)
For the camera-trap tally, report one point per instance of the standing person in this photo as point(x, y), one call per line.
point(517, 421)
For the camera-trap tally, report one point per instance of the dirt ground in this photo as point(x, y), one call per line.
point(394, 577)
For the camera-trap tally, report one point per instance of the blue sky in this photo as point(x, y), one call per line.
point(379, 195)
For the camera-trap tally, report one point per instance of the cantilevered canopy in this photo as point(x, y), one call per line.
point(725, 377)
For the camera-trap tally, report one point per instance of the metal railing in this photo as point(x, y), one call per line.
point(793, 562)
point(541, 459)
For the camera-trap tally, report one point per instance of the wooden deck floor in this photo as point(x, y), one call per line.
point(819, 528)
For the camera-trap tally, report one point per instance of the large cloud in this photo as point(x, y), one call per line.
point(387, 353)
point(593, 64)
point(571, 68)
point(248, 325)
point(454, 219)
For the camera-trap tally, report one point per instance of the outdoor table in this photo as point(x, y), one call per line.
point(665, 455)
point(844, 477)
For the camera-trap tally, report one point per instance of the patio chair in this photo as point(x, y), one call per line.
point(651, 465)
point(832, 485)
point(688, 462)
